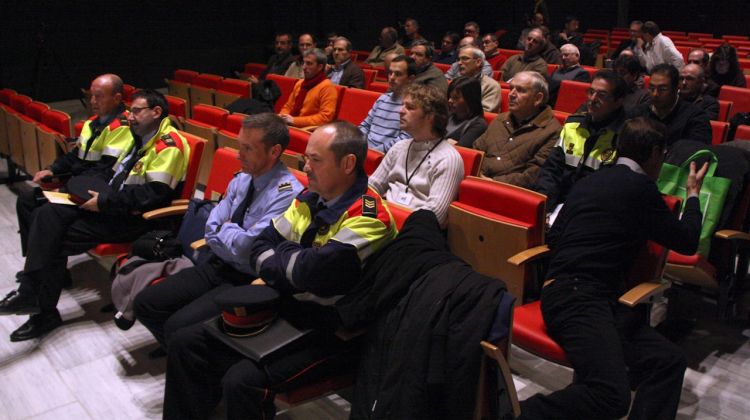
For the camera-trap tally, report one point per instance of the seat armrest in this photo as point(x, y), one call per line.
point(165, 212)
point(529, 255)
point(310, 128)
point(200, 243)
point(643, 293)
point(180, 201)
point(732, 235)
point(494, 353)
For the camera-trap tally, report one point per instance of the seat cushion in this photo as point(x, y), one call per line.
point(530, 333)
point(104, 250)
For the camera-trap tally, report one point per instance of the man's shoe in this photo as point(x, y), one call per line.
point(36, 326)
point(16, 303)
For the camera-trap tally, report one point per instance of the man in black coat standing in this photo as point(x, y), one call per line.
point(594, 243)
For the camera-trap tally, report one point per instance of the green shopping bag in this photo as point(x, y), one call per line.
point(713, 193)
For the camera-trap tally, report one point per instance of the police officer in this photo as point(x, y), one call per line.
point(587, 140)
point(315, 252)
point(263, 190)
point(148, 176)
point(103, 140)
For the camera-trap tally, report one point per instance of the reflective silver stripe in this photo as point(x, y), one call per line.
point(92, 155)
point(348, 236)
point(111, 151)
point(161, 177)
point(262, 258)
point(591, 162)
point(134, 180)
point(290, 268)
point(309, 297)
point(283, 226)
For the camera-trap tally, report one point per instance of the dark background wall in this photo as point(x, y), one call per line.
point(49, 49)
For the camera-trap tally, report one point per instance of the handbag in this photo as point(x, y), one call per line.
point(713, 194)
point(193, 228)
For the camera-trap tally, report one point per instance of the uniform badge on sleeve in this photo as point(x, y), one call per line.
point(138, 166)
point(285, 186)
point(570, 149)
point(168, 140)
point(607, 154)
point(369, 206)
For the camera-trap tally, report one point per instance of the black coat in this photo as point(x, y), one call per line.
point(429, 311)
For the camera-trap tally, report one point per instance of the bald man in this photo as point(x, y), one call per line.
point(103, 139)
point(692, 86)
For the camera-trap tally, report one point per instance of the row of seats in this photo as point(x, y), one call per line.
point(682, 40)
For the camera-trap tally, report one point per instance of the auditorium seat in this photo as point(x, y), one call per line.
point(178, 110)
point(355, 104)
point(380, 87)
point(372, 161)
point(254, 69)
point(489, 117)
point(504, 93)
point(205, 123)
point(179, 85)
point(442, 67)
point(742, 133)
point(228, 135)
point(230, 90)
point(472, 159)
point(725, 107)
point(298, 140)
point(561, 116)
point(202, 88)
point(286, 84)
point(739, 96)
point(571, 95)
point(370, 76)
point(719, 130)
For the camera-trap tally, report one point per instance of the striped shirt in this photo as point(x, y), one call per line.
point(381, 127)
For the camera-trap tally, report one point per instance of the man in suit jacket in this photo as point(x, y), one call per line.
point(344, 72)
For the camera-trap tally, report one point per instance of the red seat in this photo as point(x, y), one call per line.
point(725, 107)
point(223, 168)
point(286, 84)
point(35, 110)
point(207, 80)
point(298, 140)
point(504, 93)
point(699, 35)
point(237, 87)
point(380, 87)
point(530, 333)
point(127, 93)
point(355, 105)
point(591, 70)
point(442, 67)
point(735, 37)
point(497, 75)
point(185, 76)
point(472, 159)
point(399, 213)
point(177, 106)
point(561, 116)
point(719, 130)
point(551, 68)
point(742, 133)
point(739, 96)
point(254, 69)
point(571, 95)
point(18, 103)
point(489, 117)
point(5, 95)
point(58, 121)
point(208, 116)
point(228, 136)
point(370, 76)
point(233, 123)
point(373, 161)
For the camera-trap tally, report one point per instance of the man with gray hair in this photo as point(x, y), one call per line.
point(517, 142)
point(344, 72)
point(313, 99)
point(530, 60)
point(427, 73)
point(470, 60)
point(692, 81)
point(570, 70)
point(467, 41)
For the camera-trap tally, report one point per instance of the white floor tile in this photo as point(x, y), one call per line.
point(31, 386)
point(77, 343)
point(72, 411)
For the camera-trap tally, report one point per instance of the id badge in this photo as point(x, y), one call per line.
point(403, 198)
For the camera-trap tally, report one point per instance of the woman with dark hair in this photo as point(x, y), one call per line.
point(466, 122)
point(725, 69)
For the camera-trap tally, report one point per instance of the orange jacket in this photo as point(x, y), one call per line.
point(319, 106)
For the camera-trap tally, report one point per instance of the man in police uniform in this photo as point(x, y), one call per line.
point(148, 176)
point(587, 141)
point(104, 138)
point(314, 252)
point(262, 191)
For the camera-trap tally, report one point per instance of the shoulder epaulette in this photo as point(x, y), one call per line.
point(579, 118)
point(369, 206)
point(285, 186)
point(168, 140)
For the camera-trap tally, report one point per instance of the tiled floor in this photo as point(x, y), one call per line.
point(89, 369)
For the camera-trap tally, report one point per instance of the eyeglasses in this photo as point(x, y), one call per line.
point(137, 109)
point(698, 62)
point(465, 58)
point(602, 94)
point(660, 89)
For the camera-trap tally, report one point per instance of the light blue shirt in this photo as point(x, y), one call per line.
point(274, 192)
point(337, 72)
point(382, 127)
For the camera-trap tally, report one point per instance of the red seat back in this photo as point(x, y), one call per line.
point(207, 80)
point(742, 133)
point(233, 123)
point(373, 161)
point(286, 84)
point(254, 69)
point(127, 92)
point(19, 102)
point(725, 107)
point(472, 160)
point(235, 86)
point(197, 145)
point(223, 168)
point(380, 87)
point(489, 117)
point(355, 105)
point(442, 67)
point(35, 110)
point(211, 115)
point(504, 93)
point(298, 140)
point(399, 213)
point(58, 121)
point(551, 68)
point(5, 95)
point(185, 76)
point(739, 96)
point(571, 96)
point(719, 130)
point(177, 106)
point(370, 76)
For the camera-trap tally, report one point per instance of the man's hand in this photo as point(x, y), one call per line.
point(639, 42)
point(91, 204)
point(287, 118)
point(41, 174)
point(252, 79)
point(695, 180)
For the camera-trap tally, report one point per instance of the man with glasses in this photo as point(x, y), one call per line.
point(471, 29)
point(281, 59)
point(530, 60)
point(387, 43)
point(587, 140)
point(684, 120)
point(570, 70)
point(148, 176)
point(700, 57)
point(467, 41)
point(692, 83)
point(630, 43)
point(491, 49)
point(470, 61)
point(304, 43)
point(427, 73)
point(448, 49)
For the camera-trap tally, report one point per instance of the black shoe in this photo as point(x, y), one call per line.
point(36, 326)
point(16, 303)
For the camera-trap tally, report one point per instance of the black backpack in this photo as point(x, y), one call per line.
point(740, 118)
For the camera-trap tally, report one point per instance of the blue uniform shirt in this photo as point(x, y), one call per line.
point(274, 192)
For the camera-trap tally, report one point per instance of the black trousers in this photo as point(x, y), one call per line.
point(201, 369)
point(612, 350)
point(185, 298)
point(26, 203)
point(59, 231)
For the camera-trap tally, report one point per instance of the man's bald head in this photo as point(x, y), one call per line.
point(106, 94)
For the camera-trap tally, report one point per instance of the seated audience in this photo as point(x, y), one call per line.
point(448, 49)
point(344, 71)
point(262, 191)
point(630, 43)
point(470, 61)
point(692, 82)
point(491, 49)
point(388, 43)
point(330, 37)
point(725, 68)
point(411, 32)
point(684, 120)
point(700, 57)
point(549, 52)
point(466, 121)
point(382, 127)
point(310, 255)
point(422, 172)
point(471, 29)
point(530, 60)
point(569, 34)
point(630, 69)
point(604, 225)
point(570, 70)
point(453, 72)
point(587, 141)
point(313, 99)
point(517, 142)
point(653, 48)
point(280, 61)
point(304, 43)
point(536, 20)
point(427, 73)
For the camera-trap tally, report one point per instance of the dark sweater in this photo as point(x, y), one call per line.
point(686, 121)
point(600, 229)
